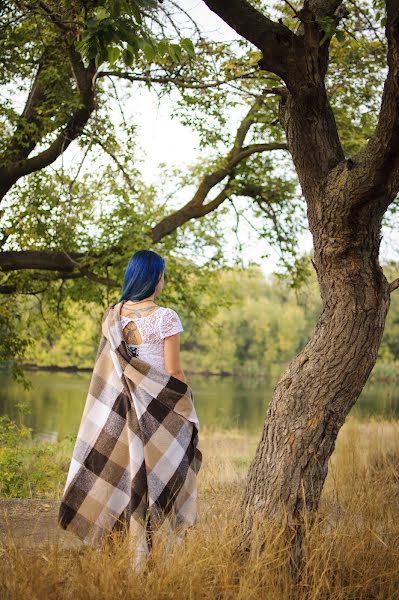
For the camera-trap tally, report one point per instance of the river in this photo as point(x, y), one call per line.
point(56, 401)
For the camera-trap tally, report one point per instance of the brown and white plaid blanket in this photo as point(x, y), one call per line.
point(137, 452)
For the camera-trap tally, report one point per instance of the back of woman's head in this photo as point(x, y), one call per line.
point(142, 274)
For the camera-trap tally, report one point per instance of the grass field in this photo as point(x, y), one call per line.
point(352, 552)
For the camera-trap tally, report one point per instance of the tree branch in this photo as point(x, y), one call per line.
point(195, 208)
point(394, 285)
point(378, 162)
point(118, 163)
point(51, 260)
point(26, 137)
point(178, 81)
point(84, 78)
point(277, 42)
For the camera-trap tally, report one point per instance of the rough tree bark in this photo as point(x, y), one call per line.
point(346, 200)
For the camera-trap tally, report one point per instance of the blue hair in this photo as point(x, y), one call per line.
point(142, 274)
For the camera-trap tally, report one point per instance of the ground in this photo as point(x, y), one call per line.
point(33, 523)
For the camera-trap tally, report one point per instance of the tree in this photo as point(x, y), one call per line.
point(347, 197)
point(64, 45)
point(64, 49)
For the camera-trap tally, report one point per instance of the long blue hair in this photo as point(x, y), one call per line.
point(142, 274)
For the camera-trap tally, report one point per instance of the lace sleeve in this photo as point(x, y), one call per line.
point(170, 323)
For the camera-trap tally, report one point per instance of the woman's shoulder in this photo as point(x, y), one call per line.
point(170, 321)
point(168, 309)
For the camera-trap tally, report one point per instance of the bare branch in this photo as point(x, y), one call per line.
point(119, 165)
point(394, 285)
point(181, 82)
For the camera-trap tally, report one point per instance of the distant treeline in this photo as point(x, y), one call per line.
point(266, 323)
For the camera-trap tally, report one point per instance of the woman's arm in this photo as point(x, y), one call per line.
point(172, 357)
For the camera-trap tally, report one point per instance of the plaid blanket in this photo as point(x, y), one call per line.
point(137, 452)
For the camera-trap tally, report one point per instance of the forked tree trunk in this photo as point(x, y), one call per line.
point(323, 382)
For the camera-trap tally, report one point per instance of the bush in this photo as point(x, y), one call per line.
point(29, 469)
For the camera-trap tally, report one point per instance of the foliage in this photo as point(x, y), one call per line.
point(258, 321)
point(117, 29)
point(13, 346)
point(28, 469)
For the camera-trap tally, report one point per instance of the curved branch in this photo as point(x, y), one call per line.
point(84, 77)
point(197, 207)
point(277, 42)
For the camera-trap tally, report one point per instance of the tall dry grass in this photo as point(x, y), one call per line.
point(351, 552)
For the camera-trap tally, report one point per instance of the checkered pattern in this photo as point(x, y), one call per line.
point(137, 452)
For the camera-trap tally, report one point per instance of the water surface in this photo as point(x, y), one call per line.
point(57, 400)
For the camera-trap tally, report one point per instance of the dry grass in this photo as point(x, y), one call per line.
point(352, 552)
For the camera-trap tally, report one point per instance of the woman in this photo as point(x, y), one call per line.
point(152, 332)
point(137, 452)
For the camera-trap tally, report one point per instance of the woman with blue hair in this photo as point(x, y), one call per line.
point(151, 331)
point(137, 452)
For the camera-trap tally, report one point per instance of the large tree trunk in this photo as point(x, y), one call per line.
point(322, 383)
point(346, 200)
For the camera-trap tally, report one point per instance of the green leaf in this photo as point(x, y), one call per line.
point(324, 38)
point(149, 52)
point(130, 37)
point(188, 46)
point(127, 57)
point(99, 61)
point(116, 9)
point(102, 56)
point(101, 13)
point(134, 49)
point(163, 46)
point(175, 52)
point(135, 11)
point(113, 54)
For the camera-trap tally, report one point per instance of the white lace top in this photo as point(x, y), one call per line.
point(153, 329)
